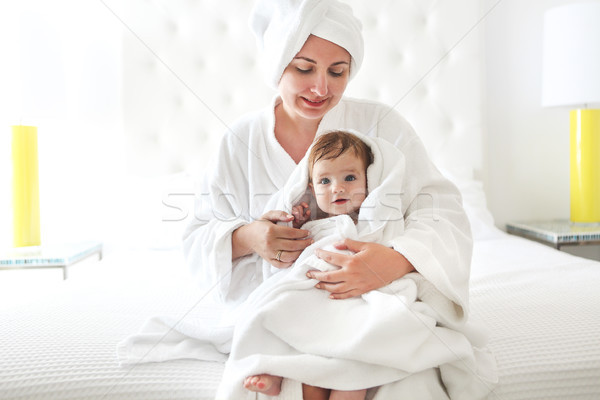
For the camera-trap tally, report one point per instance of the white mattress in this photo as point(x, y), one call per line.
point(61, 345)
point(542, 308)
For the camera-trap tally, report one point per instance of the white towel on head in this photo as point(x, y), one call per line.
point(282, 26)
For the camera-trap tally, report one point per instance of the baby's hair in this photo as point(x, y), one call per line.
point(333, 144)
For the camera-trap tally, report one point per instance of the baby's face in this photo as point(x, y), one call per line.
point(339, 184)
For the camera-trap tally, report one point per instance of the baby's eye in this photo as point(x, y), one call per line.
point(324, 181)
point(350, 178)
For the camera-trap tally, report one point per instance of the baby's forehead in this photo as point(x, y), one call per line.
point(348, 160)
point(336, 153)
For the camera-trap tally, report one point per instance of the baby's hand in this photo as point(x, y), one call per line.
point(301, 214)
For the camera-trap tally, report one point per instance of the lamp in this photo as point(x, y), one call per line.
point(571, 77)
point(37, 94)
point(26, 195)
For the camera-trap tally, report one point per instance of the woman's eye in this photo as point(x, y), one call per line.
point(350, 178)
point(303, 71)
point(336, 73)
point(324, 181)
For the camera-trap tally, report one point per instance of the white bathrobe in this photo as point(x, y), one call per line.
point(289, 328)
point(250, 168)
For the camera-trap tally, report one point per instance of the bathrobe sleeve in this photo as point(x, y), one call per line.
point(225, 200)
point(248, 170)
point(437, 238)
point(219, 209)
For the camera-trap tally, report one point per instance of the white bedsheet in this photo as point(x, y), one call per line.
point(60, 344)
point(543, 309)
point(541, 306)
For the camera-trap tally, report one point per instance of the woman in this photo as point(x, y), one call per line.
point(311, 50)
point(311, 85)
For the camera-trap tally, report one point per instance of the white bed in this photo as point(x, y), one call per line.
point(541, 306)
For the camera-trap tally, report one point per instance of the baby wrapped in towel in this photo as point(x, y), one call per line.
point(395, 338)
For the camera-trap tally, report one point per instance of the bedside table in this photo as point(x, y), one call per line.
point(557, 233)
point(49, 256)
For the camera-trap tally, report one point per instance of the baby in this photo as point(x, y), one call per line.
point(337, 169)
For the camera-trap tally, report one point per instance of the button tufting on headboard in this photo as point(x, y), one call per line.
point(202, 73)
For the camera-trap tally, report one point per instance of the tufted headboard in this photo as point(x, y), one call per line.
point(190, 69)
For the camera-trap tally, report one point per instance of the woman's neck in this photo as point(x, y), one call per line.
point(295, 135)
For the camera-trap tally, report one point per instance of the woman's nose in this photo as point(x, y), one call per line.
point(320, 84)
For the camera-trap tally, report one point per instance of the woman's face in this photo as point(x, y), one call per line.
point(315, 80)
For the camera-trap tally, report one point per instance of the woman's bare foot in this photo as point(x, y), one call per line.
point(265, 384)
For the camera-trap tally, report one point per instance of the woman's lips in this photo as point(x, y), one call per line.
point(340, 201)
point(314, 103)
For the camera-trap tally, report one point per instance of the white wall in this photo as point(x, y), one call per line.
point(525, 168)
point(61, 71)
point(526, 175)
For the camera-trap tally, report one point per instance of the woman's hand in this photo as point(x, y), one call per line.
point(371, 267)
point(277, 244)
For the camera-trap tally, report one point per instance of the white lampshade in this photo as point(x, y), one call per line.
point(571, 63)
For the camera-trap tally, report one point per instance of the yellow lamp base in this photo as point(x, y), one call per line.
point(585, 165)
point(26, 197)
